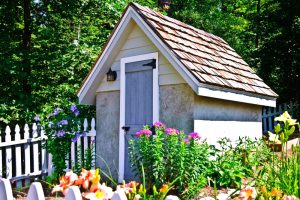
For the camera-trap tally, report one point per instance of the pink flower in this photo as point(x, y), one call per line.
point(145, 132)
point(194, 136)
point(186, 140)
point(290, 197)
point(159, 125)
point(248, 193)
point(172, 131)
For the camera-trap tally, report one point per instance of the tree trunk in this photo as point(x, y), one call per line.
point(258, 24)
point(26, 45)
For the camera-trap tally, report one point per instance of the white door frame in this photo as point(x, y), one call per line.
point(122, 103)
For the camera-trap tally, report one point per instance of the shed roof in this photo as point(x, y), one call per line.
point(205, 61)
point(208, 57)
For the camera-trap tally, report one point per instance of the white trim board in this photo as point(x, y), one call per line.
point(231, 96)
point(122, 103)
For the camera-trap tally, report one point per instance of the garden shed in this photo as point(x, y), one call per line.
point(155, 68)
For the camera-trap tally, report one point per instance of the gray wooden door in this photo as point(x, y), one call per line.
point(138, 104)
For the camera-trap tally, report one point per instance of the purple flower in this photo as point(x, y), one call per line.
point(74, 139)
point(145, 132)
point(74, 110)
point(60, 133)
point(159, 125)
point(194, 136)
point(172, 131)
point(36, 118)
point(55, 111)
point(63, 122)
point(83, 134)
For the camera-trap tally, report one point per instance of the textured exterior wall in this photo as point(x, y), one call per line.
point(220, 110)
point(176, 106)
point(107, 142)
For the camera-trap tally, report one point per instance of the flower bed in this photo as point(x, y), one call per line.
point(168, 161)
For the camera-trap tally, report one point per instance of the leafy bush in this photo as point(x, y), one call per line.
point(168, 155)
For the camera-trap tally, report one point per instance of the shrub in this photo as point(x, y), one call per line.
point(168, 155)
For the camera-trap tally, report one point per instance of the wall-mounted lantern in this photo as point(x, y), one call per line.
point(111, 75)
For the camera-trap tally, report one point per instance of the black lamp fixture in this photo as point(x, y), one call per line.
point(111, 75)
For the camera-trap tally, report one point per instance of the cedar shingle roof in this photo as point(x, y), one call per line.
point(208, 57)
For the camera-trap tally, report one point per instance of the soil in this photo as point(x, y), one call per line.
point(21, 194)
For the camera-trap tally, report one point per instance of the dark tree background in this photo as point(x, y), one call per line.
point(48, 46)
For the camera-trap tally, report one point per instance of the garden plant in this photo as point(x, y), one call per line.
point(168, 155)
point(63, 127)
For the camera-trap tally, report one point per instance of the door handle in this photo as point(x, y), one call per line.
point(126, 128)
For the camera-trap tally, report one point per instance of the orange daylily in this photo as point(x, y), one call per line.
point(275, 193)
point(65, 182)
point(248, 193)
point(164, 188)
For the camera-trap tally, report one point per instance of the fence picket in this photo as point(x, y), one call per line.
point(8, 159)
point(35, 147)
point(73, 146)
point(27, 153)
point(92, 134)
point(18, 156)
point(44, 153)
point(1, 167)
point(85, 139)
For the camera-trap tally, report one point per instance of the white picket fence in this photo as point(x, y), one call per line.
point(22, 156)
point(36, 192)
point(269, 115)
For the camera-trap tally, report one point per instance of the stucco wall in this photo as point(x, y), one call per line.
point(107, 146)
point(220, 110)
point(176, 106)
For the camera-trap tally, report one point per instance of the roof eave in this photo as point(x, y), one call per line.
point(237, 96)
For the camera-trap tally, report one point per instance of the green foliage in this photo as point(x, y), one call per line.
point(234, 162)
point(167, 156)
point(85, 161)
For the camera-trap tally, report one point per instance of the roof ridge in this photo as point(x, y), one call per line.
point(180, 23)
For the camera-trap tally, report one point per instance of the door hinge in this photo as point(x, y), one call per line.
point(152, 64)
point(126, 128)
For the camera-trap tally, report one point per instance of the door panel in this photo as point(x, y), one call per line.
point(138, 103)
